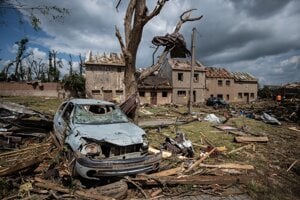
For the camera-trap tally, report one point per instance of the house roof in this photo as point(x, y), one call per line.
point(295, 85)
point(111, 59)
point(154, 81)
point(184, 64)
point(214, 72)
point(243, 76)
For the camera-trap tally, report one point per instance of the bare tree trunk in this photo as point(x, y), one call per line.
point(135, 19)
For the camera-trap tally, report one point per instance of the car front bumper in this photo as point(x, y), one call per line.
point(92, 168)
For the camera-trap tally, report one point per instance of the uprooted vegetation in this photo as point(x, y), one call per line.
point(263, 169)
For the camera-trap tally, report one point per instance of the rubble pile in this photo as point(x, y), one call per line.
point(198, 157)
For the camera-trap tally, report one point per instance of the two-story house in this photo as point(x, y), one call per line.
point(230, 86)
point(105, 77)
point(178, 72)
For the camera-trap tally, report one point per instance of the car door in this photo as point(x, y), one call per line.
point(62, 121)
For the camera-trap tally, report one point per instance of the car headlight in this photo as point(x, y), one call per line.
point(145, 142)
point(91, 149)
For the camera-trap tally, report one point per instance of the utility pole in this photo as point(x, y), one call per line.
point(192, 71)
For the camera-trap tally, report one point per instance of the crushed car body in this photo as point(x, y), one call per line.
point(102, 140)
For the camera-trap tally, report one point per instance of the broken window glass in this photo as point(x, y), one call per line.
point(98, 114)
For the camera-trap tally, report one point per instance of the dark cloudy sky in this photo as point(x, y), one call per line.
point(261, 37)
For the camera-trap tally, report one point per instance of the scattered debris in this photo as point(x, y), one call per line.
point(179, 145)
point(212, 118)
point(269, 119)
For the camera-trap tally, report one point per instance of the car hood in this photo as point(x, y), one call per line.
point(121, 134)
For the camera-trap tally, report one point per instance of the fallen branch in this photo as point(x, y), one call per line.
point(200, 161)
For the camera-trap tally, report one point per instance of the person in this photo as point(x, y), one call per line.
point(278, 99)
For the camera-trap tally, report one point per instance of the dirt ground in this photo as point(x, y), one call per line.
point(273, 177)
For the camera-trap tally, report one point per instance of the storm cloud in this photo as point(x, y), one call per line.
point(256, 36)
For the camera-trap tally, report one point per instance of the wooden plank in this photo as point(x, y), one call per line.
point(240, 148)
point(246, 139)
point(193, 180)
point(228, 166)
point(200, 160)
point(53, 186)
point(165, 154)
point(168, 172)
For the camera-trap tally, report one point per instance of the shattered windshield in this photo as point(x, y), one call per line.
point(98, 114)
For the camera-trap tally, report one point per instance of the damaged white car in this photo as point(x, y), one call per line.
point(102, 140)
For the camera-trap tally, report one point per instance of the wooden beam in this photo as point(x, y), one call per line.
point(200, 160)
point(247, 139)
point(168, 172)
point(79, 193)
point(193, 180)
point(228, 166)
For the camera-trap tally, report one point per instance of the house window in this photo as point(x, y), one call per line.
point(252, 95)
point(119, 69)
point(142, 93)
point(196, 78)
point(227, 97)
point(240, 95)
point(220, 96)
point(220, 82)
point(181, 93)
point(95, 92)
point(228, 83)
point(211, 95)
point(119, 92)
point(164, 94)
point(180, 76)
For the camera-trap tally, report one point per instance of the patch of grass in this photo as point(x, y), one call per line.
point(41, 104)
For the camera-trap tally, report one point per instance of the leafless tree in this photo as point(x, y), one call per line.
point(136, 17)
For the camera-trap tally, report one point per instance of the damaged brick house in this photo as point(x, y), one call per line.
point(155, 90)
point(230, 86)
point(105, 77)
point(178, 72)
point(170, 84)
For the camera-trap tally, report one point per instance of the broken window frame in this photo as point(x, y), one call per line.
point(181, 93)
point(196, 78)
point(180, 76)
point(240, 95)
point(142, 93)
point(220, 83)
point(228, 83)
point(164, 94)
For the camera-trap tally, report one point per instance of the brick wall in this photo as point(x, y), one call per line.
point(33, 89)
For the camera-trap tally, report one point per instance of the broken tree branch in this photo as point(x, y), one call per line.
point(184, 17)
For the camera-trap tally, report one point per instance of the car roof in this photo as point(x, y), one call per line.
point(90, 101)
